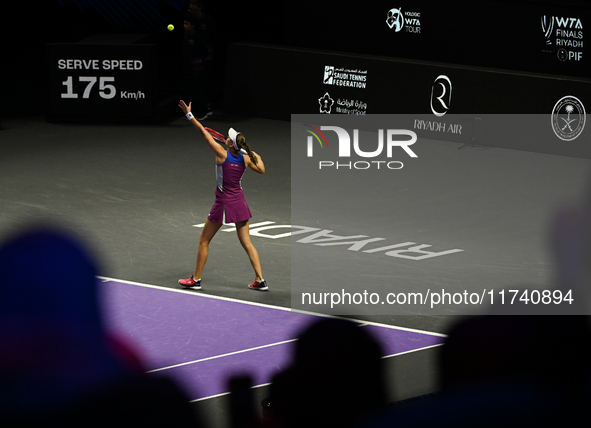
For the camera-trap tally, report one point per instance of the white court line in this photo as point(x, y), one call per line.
point(226, 393)
point(192, 293)
point(412, 350)
point(264, 305)
point(221, 356)
point(269, 383)
point(268, 346)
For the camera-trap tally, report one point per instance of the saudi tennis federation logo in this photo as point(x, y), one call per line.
point(328, 75)
point(568, 118)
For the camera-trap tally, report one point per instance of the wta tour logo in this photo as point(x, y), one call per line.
point(410, 21)
point(568, 118)
point(395, 20)
point(390, 138)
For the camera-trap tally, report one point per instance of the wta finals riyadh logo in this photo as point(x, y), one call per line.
point(568, 118)
point(547, 28)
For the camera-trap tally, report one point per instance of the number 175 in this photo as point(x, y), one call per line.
point(106, 91)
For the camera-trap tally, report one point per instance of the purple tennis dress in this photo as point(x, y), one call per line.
point(230, 205)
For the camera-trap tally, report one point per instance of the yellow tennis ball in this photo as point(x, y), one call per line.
point(170, 27)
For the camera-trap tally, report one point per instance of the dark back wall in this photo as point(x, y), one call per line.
point(512, 34)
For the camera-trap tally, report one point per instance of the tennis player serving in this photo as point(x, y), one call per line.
point(230, 205)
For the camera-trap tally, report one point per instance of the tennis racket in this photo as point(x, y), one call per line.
point(220, 138)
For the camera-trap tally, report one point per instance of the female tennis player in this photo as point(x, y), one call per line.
point(230, 205)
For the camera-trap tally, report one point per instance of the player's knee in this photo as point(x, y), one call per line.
point(246, 244)
point(204, 241)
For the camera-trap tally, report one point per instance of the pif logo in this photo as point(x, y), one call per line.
point(388, 139)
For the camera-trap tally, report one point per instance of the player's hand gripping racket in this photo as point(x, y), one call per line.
point(220, 138)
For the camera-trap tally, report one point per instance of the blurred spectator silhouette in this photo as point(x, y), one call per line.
point(58, 364)
point(336, 379)
point(505, 371)
point(550, 351)
point(545, 358)
point(242, 410)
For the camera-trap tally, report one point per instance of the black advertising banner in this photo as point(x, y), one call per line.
point(329, 82)
point(528, 36)
point(440, 101)
point(100, 81)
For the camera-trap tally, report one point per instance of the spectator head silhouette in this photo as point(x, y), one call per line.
point(336, 378)
point(54, 344)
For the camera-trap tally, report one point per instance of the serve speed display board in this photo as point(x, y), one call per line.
point(100, 81)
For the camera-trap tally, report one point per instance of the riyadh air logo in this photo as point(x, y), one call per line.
point(441, 95)
point(387, 140)
point(568, 118)
point(395, 20)
point(326, 103)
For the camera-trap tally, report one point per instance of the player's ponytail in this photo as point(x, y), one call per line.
point(241, 142)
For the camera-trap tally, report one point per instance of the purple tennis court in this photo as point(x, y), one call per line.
point(201, 340)
point(486, 202)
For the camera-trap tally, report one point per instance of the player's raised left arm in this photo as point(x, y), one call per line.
point(259, 166)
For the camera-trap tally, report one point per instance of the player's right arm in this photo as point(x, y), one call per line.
point(219, 151)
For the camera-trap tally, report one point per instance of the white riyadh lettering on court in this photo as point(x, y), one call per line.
point(233, 228)
point(324, 237)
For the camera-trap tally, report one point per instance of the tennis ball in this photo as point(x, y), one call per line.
point(170, 27)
